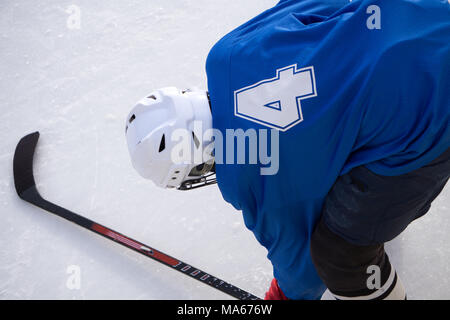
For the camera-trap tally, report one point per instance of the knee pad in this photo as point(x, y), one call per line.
point(351, 271)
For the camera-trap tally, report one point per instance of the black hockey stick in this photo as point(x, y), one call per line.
point(26, 189)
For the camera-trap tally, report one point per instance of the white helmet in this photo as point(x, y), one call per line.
point(166, 134)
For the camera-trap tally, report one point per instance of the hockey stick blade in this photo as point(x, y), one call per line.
point(23, 164)
point(26, 189)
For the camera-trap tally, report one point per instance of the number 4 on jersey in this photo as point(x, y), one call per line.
point(275, 102)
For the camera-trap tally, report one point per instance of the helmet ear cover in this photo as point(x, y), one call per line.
point(149, 130)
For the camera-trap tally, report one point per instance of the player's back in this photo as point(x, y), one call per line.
point(345, 84)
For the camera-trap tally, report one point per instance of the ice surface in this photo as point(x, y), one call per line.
point(76, 87)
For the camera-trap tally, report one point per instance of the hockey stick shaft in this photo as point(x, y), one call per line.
point(26, 189)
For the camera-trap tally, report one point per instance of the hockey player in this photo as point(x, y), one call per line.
point(352, 100)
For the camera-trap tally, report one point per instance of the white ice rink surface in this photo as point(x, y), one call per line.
point(76, 87)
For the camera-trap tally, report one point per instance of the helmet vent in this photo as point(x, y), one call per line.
point(196, 141)
point(162, 144)
point(132, 118)
point(152, 97)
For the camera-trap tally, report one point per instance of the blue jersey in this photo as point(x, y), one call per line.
point(344, 84)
